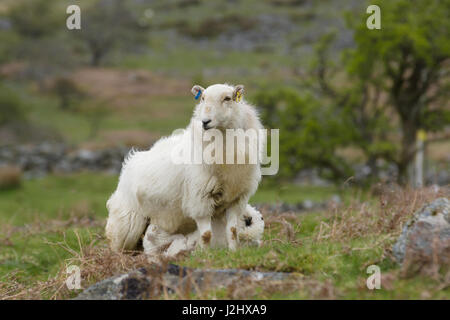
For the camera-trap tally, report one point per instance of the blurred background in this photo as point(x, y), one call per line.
point(350, 102)
point(356, 108)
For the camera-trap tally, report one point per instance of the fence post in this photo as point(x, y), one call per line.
point(418, 166)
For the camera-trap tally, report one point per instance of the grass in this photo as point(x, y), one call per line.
point(50, 210)
point(53, 222)
point(56, 197)
point(332, 250)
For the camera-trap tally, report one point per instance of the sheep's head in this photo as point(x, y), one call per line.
point(218, 106)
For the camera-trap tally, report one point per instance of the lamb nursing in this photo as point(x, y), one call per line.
point(157, 242)
point(184, 197)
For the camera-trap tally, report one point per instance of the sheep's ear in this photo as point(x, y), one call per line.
point(238, 93)
point(197, 91)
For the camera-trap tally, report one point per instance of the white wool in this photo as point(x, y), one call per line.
point(178, 198)
point(158, 242)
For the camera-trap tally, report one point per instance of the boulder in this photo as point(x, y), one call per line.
point(425, 238)
point(151, 282)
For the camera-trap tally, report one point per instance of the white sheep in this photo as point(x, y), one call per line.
point(182, 197)
point(157, 242)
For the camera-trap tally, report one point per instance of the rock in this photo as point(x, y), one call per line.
point(46, 158)
point(426, 235)
point(308, 204)
point(303, 206)
point(150, 282)
point(130, 286)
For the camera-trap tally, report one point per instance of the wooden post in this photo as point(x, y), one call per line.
point(418, 167)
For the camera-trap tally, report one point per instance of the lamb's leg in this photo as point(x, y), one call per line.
point(156, 240)
point(179, 244)
point(182, 244)
point(205, 230)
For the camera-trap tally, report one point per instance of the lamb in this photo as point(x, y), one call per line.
point(181, 197)
point(157, 242)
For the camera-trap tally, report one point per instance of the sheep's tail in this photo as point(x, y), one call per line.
point(125, 224)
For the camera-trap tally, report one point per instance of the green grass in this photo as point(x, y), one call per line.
point(340, 265)
point(56, 197)
point(32, 222)
point(40, 256)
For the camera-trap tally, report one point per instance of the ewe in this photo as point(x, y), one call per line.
point(250, 229)
point(182, 197)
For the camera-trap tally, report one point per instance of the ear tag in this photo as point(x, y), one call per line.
point(238, 96)
point(199, 93)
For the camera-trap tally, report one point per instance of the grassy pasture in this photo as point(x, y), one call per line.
point(56, 221)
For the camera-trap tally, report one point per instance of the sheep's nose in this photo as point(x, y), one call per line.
point(205, 123)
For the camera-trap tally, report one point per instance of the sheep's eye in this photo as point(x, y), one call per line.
point(227, 99)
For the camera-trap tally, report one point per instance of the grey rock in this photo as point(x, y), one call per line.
point(336, 199)
point(45, 158)
point(427, 233)
point(5, 24)
point(308, 204)
point(131, 286)
point(303, 206)
point(150, 282)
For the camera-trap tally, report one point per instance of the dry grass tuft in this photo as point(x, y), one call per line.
point(362, 219)
point(384, 221)
point(96, 262)
point(287, 229)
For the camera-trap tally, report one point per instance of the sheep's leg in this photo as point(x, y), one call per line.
point(231, 228)
point(205, 230)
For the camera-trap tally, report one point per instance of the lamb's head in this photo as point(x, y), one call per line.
point(251, 226)
point(219, 106)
